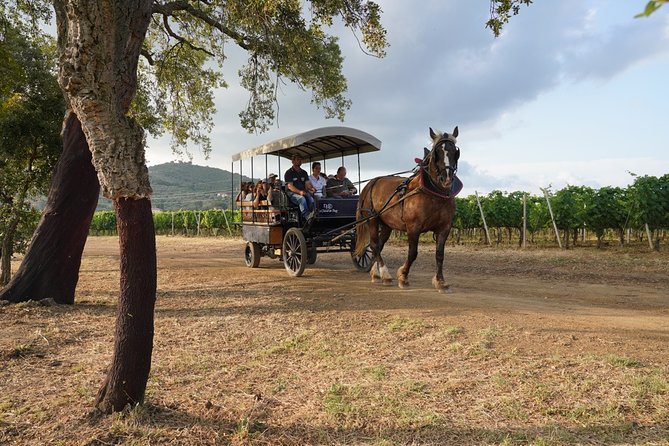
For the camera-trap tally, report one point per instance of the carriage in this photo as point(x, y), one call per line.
point(275, 228)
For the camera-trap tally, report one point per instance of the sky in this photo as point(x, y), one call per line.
point(574, 92)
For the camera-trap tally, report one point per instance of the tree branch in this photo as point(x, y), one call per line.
point(168, 9)
point(183, 40)
point(148, 56)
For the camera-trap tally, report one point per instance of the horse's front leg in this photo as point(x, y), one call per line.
point(403, 271)
point(438, 279)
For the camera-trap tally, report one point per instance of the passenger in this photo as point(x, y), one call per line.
point(298, 187)
point(245, 188)
point(259, 193)
point(269, 187)
point(249, 191)
point(340, 186)
point(318, 180)
point(270, 183)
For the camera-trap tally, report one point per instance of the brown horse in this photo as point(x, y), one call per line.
point(424, 202)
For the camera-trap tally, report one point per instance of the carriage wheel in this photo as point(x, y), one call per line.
point(364, 261)
point(294, 252)
point(252, 254)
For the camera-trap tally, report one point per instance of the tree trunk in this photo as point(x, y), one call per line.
point(50, 267)
point(99, 44)
point(127, 376)
point(6, 259)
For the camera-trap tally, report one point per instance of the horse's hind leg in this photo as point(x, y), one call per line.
point(438, 279)
point(375, 272)
point(384, 235)
point(403, 271)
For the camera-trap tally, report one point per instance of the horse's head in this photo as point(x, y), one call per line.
point(442, 161)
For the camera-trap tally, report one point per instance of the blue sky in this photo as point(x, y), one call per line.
point(573, 92)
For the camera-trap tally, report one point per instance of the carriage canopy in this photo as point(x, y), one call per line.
point(320, 143)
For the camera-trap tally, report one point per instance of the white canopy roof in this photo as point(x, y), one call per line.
point(321, 143)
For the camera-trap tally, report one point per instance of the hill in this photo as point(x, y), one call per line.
point(179, 185)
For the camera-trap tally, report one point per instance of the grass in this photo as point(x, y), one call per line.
point(237, 362)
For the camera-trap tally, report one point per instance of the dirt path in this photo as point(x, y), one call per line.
point(561, 300)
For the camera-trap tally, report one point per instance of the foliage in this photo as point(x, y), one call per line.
point(569, 206)
point(650, 201)
point(467, 213)
point(501, 12)
point(181, 222)
point(185, 47)
point(31, 112)
point(503, 209)
point(286, 41)
point(607, 209)
point(651, 7)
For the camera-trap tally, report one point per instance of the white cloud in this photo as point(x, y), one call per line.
point(445, 69)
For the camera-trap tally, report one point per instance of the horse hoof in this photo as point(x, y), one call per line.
point(403, 284)
point(387, 282)
point(376, 279)
point(445, 290)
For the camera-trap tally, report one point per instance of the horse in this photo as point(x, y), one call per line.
point(423, 202)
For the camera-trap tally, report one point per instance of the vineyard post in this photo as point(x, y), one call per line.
point(550, 210)
point(172, 213)
point(225, 216)
point(232, 185)
point(485, 225)
point(197, 221)
point(524, 220)
point(650, 237)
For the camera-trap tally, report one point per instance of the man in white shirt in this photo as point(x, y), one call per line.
point(317, 180)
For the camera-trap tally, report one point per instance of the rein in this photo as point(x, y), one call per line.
point(427, 185)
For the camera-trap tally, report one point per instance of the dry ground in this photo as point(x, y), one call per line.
point(533, 347)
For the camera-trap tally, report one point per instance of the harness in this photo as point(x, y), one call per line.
point(425, 185)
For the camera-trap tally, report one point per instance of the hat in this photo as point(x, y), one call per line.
point(271, 175)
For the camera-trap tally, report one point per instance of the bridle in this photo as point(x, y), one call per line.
point(444, 142)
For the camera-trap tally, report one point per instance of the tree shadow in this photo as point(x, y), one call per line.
point(219, 429)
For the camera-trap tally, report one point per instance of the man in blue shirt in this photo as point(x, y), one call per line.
point(299, 188)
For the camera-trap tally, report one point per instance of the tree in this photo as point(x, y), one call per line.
point(99, 46)
point(31, 110)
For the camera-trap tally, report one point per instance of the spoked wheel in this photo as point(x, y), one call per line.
point(294, 252)
point(252, 254)
point(363, 262)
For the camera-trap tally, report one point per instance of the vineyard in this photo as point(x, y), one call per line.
point(636, 214)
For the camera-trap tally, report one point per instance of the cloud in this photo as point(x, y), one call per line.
point(445, 69)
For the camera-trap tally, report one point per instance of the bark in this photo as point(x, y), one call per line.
point(127, 376)
point(6, 258)
point(99, 46)
point(50, 268)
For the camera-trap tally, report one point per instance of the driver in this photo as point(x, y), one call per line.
point(299, 188)
point(340, 186)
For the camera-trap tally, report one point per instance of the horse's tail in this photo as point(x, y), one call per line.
point(363, 212)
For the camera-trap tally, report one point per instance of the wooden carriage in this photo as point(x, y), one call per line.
point(275, 228)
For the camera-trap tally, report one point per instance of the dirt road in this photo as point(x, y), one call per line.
point(593, 300)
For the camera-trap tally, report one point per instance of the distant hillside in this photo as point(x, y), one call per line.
point(179, 185)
